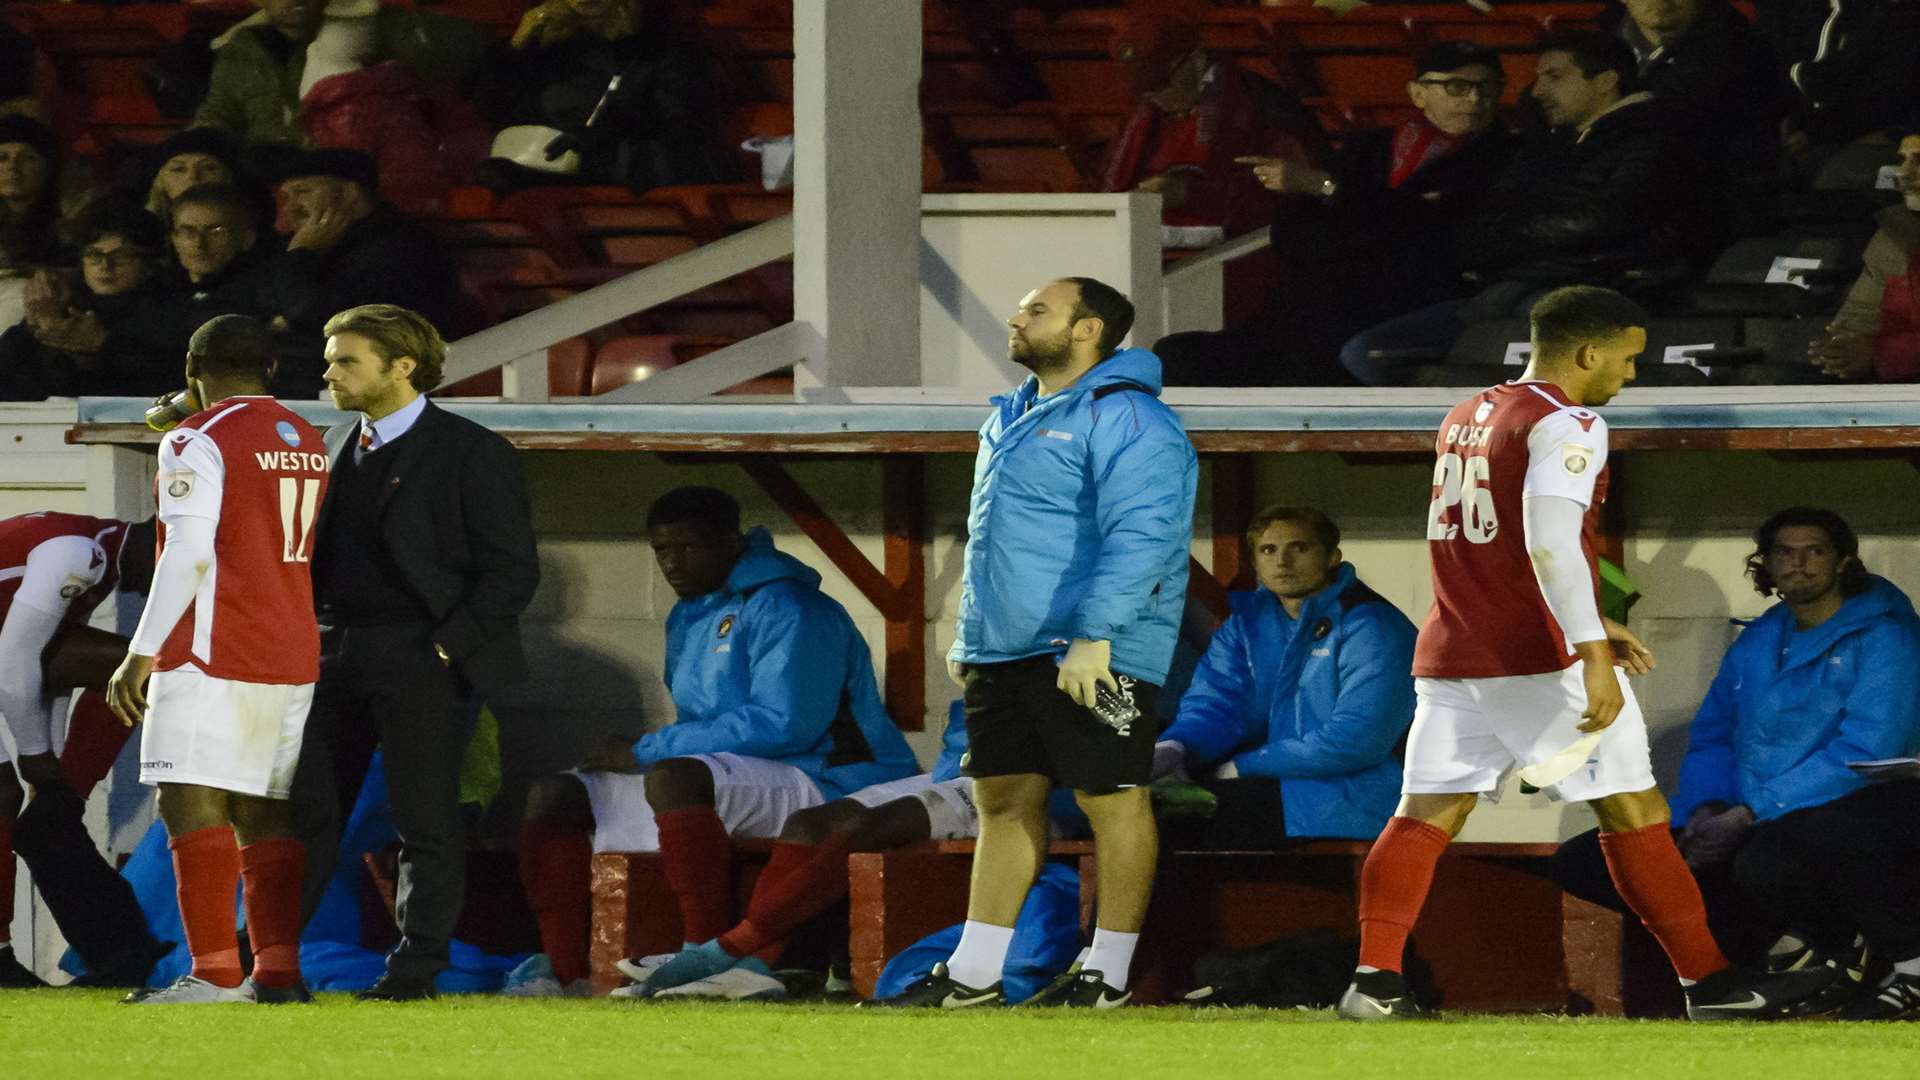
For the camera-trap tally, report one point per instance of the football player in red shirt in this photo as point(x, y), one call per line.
point(55, 569)
point(1514, 667)
point(230, 642)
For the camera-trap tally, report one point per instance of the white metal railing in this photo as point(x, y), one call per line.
point(519, 346)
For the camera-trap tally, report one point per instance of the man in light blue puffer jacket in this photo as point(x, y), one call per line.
point(1074, 583)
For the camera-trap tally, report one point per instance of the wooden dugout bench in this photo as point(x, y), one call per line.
point(1501, 937)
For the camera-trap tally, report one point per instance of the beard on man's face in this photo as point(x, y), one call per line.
point(1039, 355)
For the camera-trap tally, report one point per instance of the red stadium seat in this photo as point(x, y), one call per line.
point(1040, 168)
point(567, 366)
point(625, 360)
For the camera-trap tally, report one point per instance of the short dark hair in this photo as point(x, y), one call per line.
point(236, 346)
point(1854, 578)
point(1314, 518)
point(1576, 315)
point(1594, 52)
point(221, 196)
point(395, 332)
point(1099, 300)
point(113, 217)
point(710, 508)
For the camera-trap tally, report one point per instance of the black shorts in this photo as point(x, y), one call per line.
point(1020, 722)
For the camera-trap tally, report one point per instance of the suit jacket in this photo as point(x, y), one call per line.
point(455, 520)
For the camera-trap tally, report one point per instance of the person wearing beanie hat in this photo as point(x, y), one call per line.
point(192, 157)
point(348, 248)
point(1342, 230)
point(29, 190)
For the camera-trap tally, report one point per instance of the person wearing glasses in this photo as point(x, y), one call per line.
point(1339, 230)
point(100, 332)
point(1609, 196)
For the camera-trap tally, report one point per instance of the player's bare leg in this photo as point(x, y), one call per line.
point(1393, 888)
point(1126, 843)
point(273, 868)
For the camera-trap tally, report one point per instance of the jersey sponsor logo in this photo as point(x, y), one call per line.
point(287, 432)
point(1485, 410)
point(1575, 458)
point(156, 766)
point(290, 460)
point(1063, 436)
point(725, 628)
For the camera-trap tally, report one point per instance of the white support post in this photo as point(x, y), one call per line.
point(525, 379)
point(856, 205)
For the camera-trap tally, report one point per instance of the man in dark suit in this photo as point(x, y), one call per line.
point(423, 561)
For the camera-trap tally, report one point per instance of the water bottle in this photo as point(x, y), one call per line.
point(169, 409)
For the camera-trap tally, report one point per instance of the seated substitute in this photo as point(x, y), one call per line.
point(776, 711)
point(807, 873)
point(1783, 837)
point(1293, 714)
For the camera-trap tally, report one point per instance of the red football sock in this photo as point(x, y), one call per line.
point(7, 871)
point(271, 874)
point(698, 860)
point(1654, 881)
point(206, 867)
point(556, 870)
point(1393, 888)
point(94, 739)
point(800, 881)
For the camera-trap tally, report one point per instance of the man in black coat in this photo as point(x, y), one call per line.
point(1609, 198)
point(347, 249)
point(423, 560)
point(1340, 234)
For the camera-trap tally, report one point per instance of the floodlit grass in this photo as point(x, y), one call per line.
point(59, 1034)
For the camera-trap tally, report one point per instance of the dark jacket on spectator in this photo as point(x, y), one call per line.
point(1721, 88)
point(1616, 204)
point(385, 257)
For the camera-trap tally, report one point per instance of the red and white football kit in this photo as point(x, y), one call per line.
point(234, 672)
point(55, 569)
point(1498, 686)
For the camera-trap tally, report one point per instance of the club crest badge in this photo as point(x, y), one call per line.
point(1322, 628)
point(726, 627)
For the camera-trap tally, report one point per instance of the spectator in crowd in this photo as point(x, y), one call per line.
point(1341, 233)
point(111, 335)
point(29, 209)
point(621, 82)
point(260, 71)
point(349, 248)
point(1293, 715)
point(1197, 114)
point(1608, 199)
point(1873, 337)
point(776, 710)
point(27, 82)
point(220, 262)
point(1718, 85)
point(1853, 63)
point(190, 158)
point(419, 587)
point(1782, 835)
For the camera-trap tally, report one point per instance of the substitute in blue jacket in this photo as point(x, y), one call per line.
point(1782, 835)
point(1071, 596)
point(776, 711)
point(1294, 712)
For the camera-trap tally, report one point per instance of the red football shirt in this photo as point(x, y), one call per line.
point(260, 472)
point(1489, 618)
point(88, 572)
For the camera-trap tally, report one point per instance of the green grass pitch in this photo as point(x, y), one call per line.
point(59, 1034)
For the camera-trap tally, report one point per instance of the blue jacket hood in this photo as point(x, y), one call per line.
point(762, 562)
point(1882, 599)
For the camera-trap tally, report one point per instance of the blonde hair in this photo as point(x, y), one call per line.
point(396, 332)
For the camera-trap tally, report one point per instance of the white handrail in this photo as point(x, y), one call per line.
point(1223, 252)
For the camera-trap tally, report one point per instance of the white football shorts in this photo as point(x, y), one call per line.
point(219, 733)
point(753, 796)
point(1468, 734)
point(951, 814)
